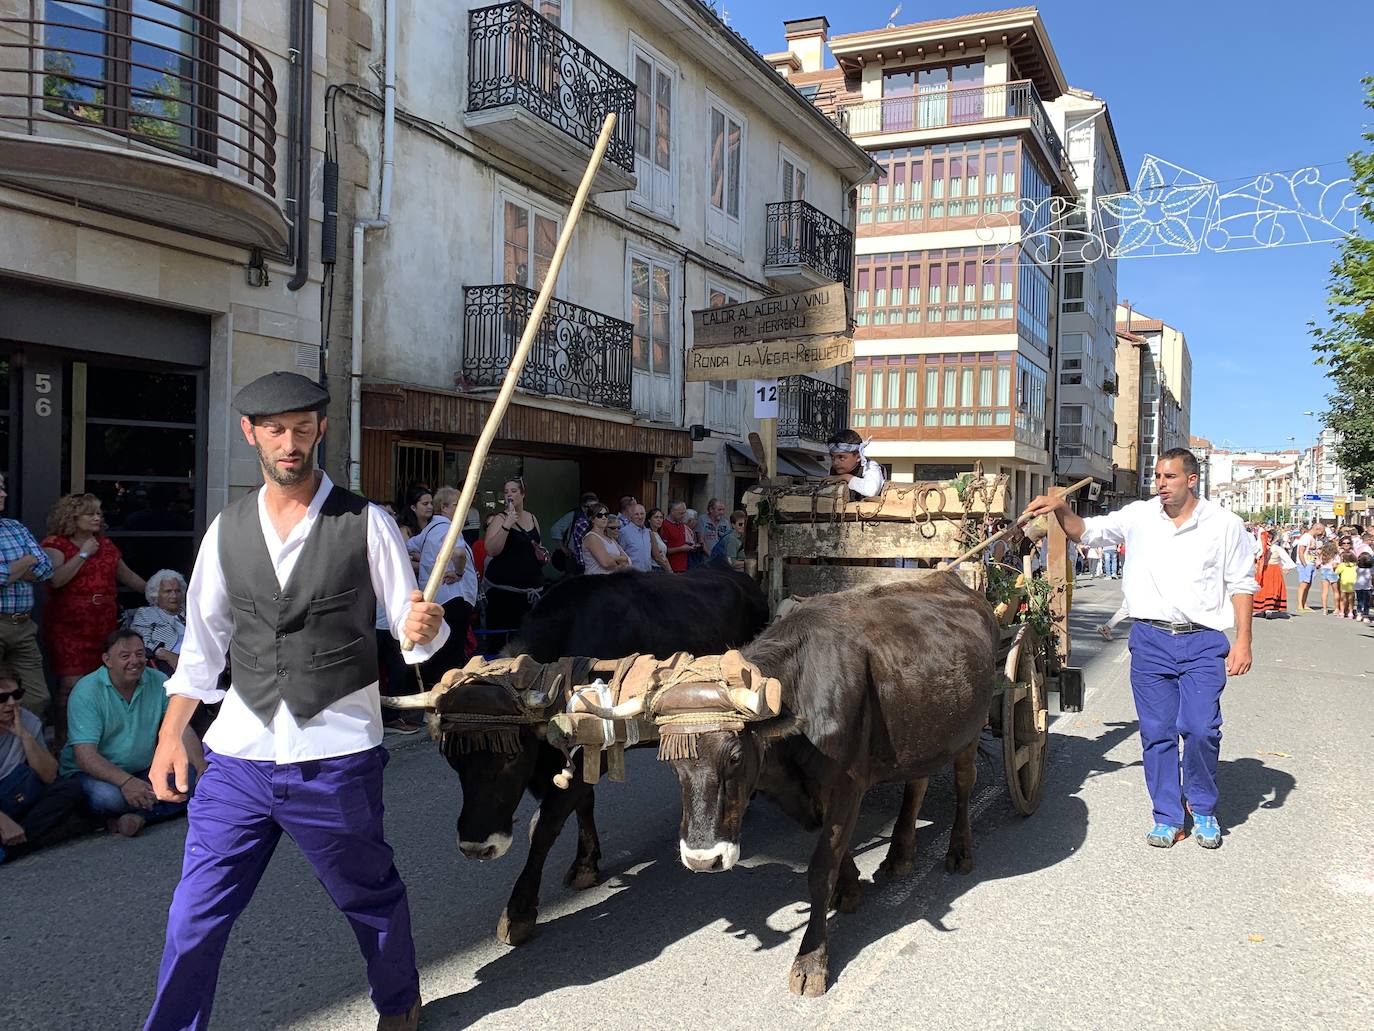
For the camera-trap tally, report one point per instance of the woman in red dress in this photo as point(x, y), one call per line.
point(1271, 562)
point(81, 611)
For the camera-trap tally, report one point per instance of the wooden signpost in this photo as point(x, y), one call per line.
point(764, 340)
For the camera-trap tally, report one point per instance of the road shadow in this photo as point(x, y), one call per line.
point(762, 901)
point(1246, 785)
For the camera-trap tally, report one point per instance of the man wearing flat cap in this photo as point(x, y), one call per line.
point(286, 587)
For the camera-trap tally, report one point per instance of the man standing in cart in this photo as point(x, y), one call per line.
point(1191, 578)
point(286, 585)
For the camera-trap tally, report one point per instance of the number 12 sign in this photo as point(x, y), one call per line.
point(765, 399)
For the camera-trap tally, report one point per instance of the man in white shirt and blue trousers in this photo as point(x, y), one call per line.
point(1190, 579)
point(286, 585)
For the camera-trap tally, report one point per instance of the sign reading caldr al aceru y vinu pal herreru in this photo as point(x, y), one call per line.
point(814, 312)
point(784, 335)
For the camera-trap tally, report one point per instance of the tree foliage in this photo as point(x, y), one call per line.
point(1346, 343)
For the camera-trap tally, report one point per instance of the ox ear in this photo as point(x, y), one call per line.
point(780, 727)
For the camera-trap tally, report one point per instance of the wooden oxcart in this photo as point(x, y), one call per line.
point(814, 540)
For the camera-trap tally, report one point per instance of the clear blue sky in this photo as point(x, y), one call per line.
point(1227, 90)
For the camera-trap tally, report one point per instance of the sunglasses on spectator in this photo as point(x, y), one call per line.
point(600, 515)
point(15, 695)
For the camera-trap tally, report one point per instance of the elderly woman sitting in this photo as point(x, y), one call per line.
point(162, 622)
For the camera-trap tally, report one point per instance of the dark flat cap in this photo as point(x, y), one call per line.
point(279, 392)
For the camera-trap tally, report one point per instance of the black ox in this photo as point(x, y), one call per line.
point(707, 611)
point(879, 684)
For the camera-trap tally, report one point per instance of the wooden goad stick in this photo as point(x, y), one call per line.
point(1062, 492)
point(517, 363)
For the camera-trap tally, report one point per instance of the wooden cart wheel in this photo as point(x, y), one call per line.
point(1025, 720)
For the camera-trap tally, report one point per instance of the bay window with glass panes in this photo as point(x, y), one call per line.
point(934, 293)
point(966, 396)
point(941, 186)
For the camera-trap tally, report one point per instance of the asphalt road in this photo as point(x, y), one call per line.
point(1067, 921)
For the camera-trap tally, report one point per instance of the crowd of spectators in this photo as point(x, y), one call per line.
point(75, 757)
point(82, 696)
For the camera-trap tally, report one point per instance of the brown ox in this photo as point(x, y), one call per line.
point(879, 684)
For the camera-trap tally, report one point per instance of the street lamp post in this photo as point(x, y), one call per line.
point(1316, 443)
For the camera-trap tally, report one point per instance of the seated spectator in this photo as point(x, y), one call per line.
point(113, 721)
point(162, 622)
point(734, 541)
point(36, 807)
point(569, 531)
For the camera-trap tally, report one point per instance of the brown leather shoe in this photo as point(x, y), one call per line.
point(407, 1021)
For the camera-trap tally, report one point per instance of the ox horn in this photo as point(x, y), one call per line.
point(748, 701)
point(623, 711)
point(410, 701)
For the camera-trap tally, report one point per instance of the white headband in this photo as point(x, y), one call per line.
point(860, 449)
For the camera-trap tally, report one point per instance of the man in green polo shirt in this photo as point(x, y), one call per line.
point(113, 718)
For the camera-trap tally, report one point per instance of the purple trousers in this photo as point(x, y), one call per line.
point(332, 809)
point(1177, 680)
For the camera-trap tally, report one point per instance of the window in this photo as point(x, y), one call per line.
point(1030, 402)
point(725, 132)
point(933, 392)
point(947, 180)
point(527, 240)
point(1071, 372)
point(956, 285)
point(1073, 290)
point(656, 353)
point(656, 189)
point(1071, 430)
point(793, 174)
point(555, 11)
point(1071, 343)
point(1033, 307)
point(154, 80)
point(722, 396)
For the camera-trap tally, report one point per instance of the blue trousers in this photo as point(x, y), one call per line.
point(1177, 680)
point(107, 800)
point(332, 809)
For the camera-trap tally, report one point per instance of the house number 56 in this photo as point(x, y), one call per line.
point(42, 386)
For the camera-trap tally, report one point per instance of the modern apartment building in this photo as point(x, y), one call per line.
point(722, 183)
point(1085, 430)
point(158, 248)
point(1155, 400)
point(956, 324)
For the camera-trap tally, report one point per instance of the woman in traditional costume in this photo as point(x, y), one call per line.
point(1271, 563)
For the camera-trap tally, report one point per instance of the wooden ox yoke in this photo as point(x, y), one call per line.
point(600, 705)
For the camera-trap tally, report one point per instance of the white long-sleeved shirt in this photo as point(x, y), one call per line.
point(1183, 574)
point(350, 725)
point(427, 547)
point(868, 480)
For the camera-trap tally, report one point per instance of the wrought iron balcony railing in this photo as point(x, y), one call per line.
point(579, 354)
point(798, 234)
point(518, 57)
point(157, 72)
point(964, 106)
point(811, 408)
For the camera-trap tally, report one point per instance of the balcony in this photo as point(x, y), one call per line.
point(969, 105)
point(154, 112)
point(579, 354)
point(810, 409)
point(536, 91)
point(805, 247)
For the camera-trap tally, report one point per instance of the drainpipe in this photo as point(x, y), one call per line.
point(360, 228)
point(303, 31)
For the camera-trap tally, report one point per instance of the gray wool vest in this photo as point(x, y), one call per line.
point(312, 641)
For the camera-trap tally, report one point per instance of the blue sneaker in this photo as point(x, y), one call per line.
point(1164, 836)
point(1207, 830)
